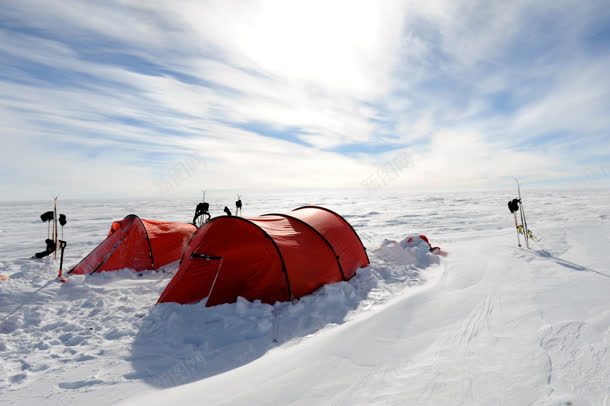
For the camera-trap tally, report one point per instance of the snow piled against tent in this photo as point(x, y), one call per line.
point(227, 336)
point(108, 323)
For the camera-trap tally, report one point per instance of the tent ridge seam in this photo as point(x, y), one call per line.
point(368, 261)
point(319, 234)
point(152, 259)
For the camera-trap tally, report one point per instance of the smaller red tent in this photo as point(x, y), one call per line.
point(137, 244)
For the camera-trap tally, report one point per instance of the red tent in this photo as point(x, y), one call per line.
point(137, 244)
point(275, 257)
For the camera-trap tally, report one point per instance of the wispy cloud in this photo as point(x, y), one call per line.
point(313, 94)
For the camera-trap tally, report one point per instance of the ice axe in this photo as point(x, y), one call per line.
point(62, 246)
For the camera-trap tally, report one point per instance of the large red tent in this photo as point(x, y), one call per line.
point(274, 257)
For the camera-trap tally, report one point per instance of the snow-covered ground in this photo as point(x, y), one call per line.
point(489, 324)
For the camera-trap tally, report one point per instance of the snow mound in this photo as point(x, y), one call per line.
point(109, 322)
point(411, 250)
point(225, 337)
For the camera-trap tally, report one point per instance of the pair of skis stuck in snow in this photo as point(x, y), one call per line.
point(516, 205)
point(53, 241)
point(202, 211)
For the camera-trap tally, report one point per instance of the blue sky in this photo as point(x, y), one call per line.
point(116, 98)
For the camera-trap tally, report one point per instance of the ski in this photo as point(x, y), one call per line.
point(523, 218)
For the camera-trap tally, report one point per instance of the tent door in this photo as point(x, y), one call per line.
point(204, 257)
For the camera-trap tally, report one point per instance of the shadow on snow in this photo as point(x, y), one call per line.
point(568, 264)
point(178, 344)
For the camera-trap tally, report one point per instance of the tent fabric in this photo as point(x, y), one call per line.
point(339, 233)
point(274, 257)
point(137, 244)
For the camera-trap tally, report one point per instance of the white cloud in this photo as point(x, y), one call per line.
point(578, 102)
point(342, 46)
point(430, 76)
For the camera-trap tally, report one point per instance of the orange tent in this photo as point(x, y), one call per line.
point(274, 257)
point(137, 244)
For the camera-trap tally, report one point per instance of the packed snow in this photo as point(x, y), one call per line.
point(489, 324)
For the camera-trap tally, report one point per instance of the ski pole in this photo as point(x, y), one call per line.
point(513, 206)
point(524, 227)
point(527, 234)
point(517, 229)
point(55, 225)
